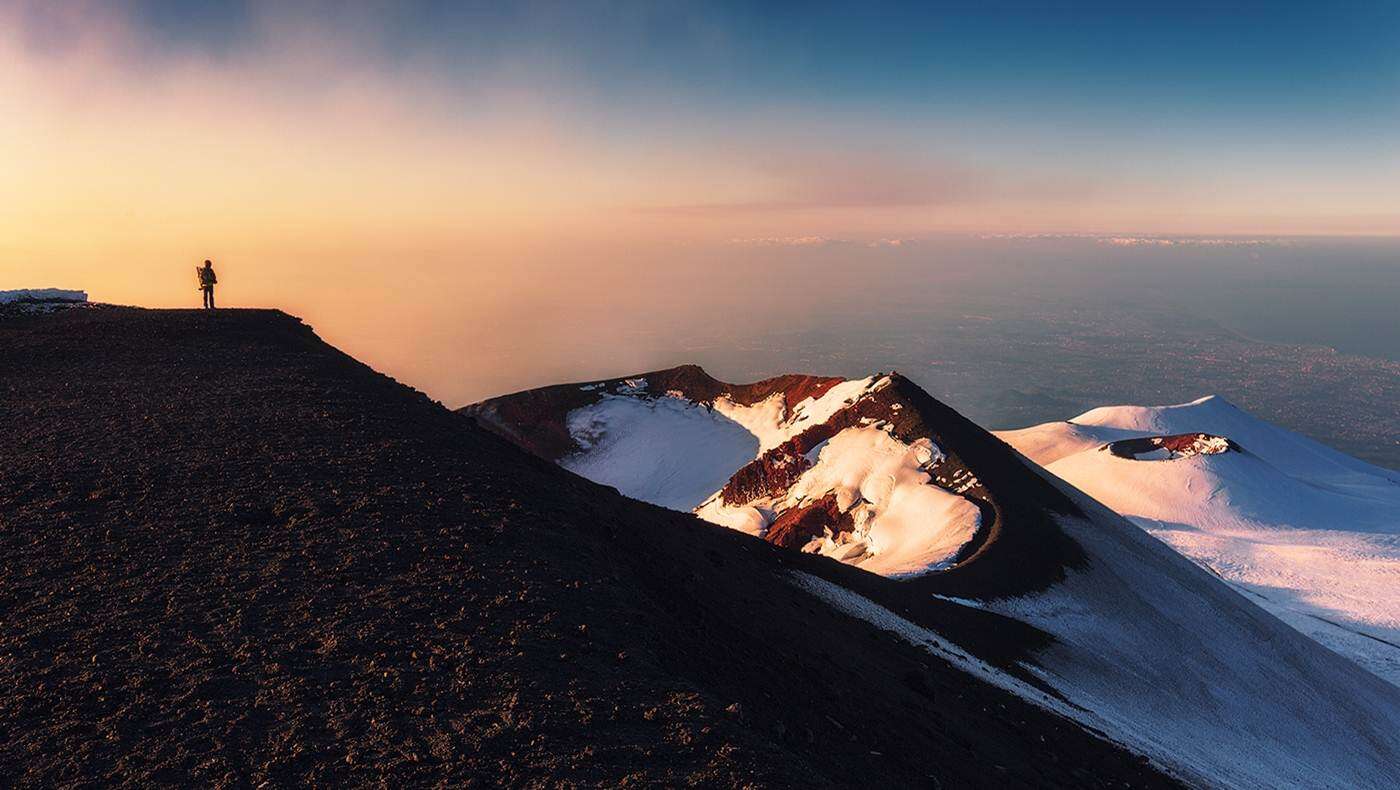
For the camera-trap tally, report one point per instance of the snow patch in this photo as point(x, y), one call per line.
point(1325, 561)
point(766, 420)
point(1047, 443)
point(666, 451)
point(744, 518)
point(903, 525)
point(42, 295)
point(769, 421)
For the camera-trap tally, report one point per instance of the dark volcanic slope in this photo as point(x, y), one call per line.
point(230, 554)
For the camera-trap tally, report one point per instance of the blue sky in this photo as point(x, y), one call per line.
point(912, 117)
point(1209, 56)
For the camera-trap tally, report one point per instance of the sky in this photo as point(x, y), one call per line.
point(424, 175)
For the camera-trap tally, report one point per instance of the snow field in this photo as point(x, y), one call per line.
point(1308, 533)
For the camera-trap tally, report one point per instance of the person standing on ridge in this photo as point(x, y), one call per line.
point(207, 278)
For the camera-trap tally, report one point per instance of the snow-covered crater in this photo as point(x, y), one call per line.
point(858, 494)
point(885, 514)
point(667, 451)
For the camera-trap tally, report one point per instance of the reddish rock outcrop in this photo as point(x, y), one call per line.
point(1178, 445)
point(795, 527)
point(770, 474)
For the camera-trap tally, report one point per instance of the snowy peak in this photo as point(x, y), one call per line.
point(1291, 452)
point(1164, 419)
point(1307, 532)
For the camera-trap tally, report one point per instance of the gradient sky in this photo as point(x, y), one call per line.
point(344, 158)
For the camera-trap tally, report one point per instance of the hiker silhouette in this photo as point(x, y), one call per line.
point(207, 278)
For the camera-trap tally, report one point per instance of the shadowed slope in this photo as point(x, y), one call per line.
point(231, 554)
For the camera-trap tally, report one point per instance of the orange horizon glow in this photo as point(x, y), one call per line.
point(340, 185)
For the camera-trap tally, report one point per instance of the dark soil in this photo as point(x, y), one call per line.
point(231, 555)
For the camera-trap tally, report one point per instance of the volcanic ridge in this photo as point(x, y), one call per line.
point(231, 555)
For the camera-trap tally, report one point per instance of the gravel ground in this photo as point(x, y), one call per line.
point(231, 555)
